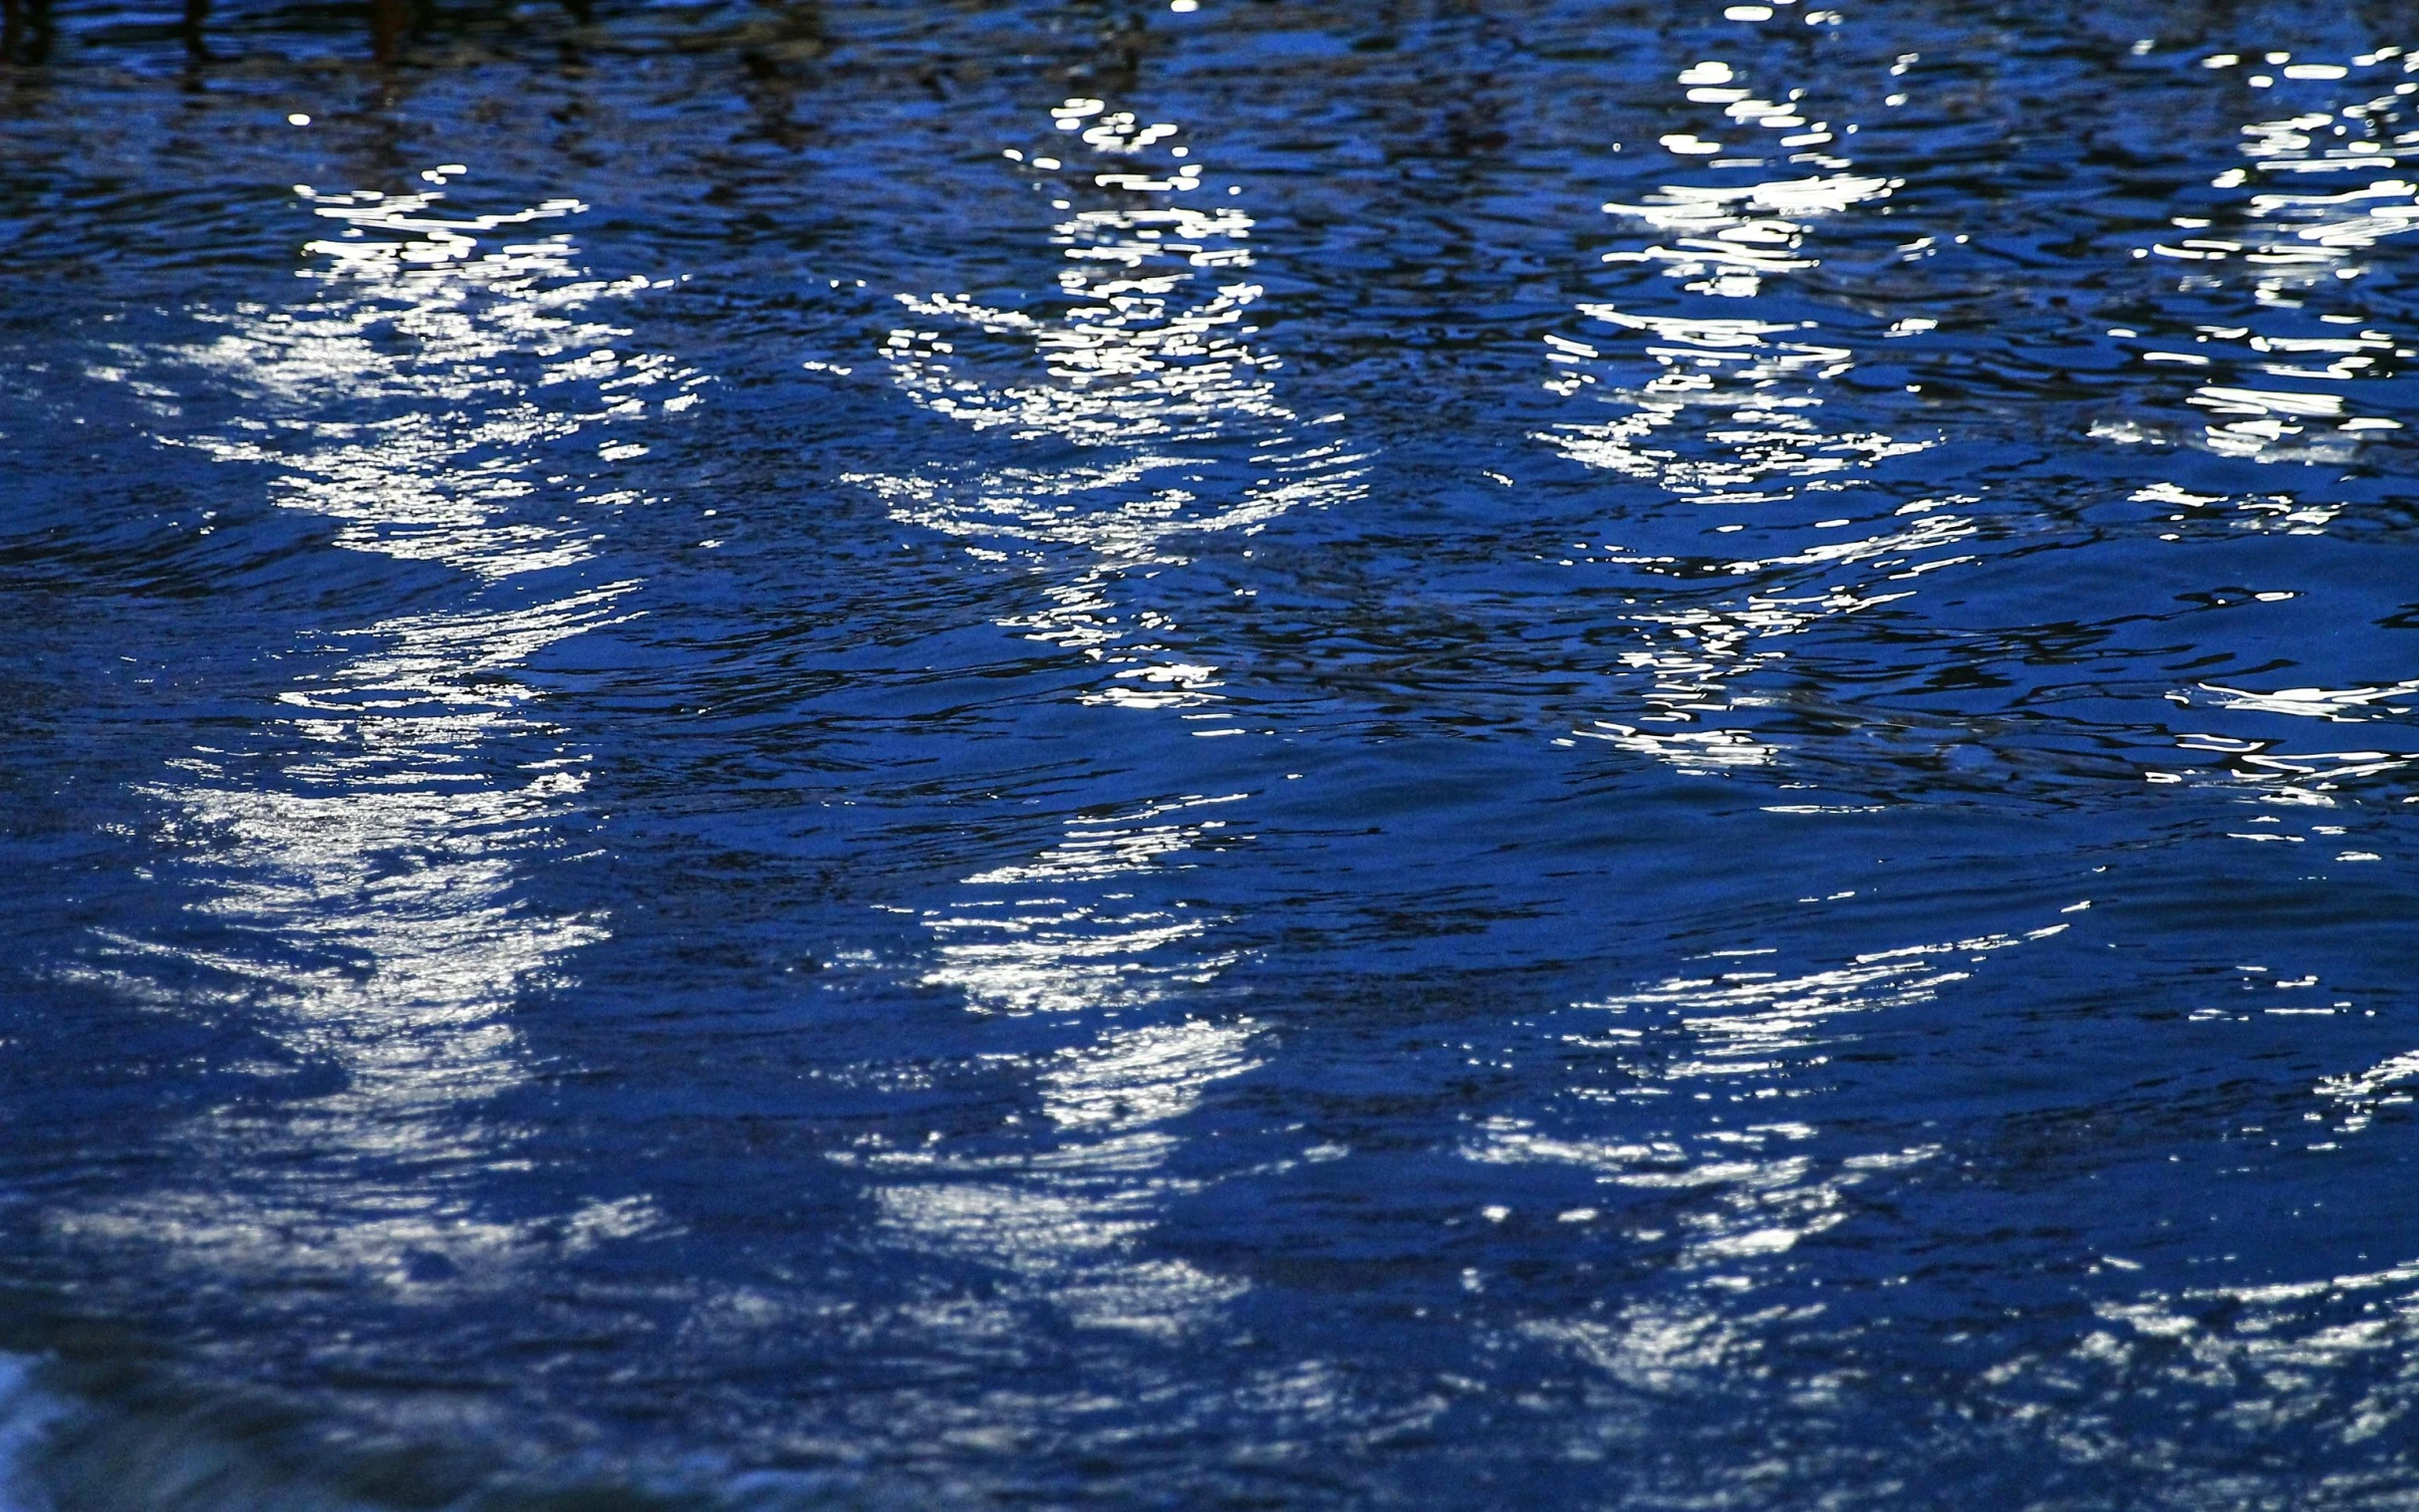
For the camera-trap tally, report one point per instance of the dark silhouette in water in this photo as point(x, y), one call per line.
point(25, 31)
point(28, 32)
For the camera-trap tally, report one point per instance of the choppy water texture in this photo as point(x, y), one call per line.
point(1237, 754)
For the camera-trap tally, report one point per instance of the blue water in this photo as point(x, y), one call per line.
point(1246, 754)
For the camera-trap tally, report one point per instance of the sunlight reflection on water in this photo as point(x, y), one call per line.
point(368, 871)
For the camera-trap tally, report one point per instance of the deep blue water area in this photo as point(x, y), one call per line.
point(1253, 753)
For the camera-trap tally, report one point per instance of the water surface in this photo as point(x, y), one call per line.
point(1236, 754)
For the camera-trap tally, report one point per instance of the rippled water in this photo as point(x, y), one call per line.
point(1236, 754)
